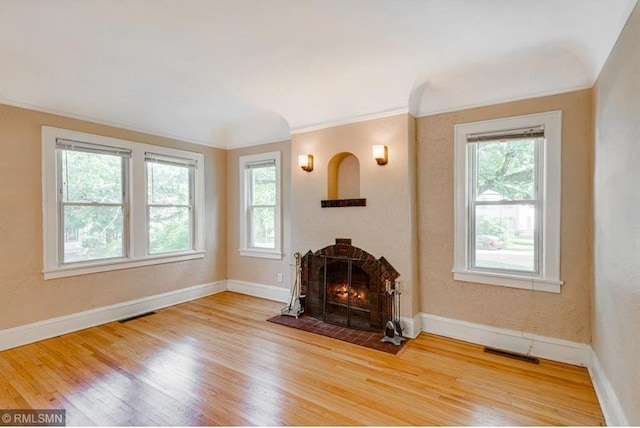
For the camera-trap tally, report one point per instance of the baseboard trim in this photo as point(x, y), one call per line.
point(412, 326)
point(263, 291)
point(609, 403)
point(29, 333)
point(540, 346)
point(525, 343)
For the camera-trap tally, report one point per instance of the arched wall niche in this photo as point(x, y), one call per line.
point(343, 177)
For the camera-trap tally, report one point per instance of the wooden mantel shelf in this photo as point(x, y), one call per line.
point(341, 203)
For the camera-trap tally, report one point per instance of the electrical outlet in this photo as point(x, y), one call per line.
point(279, 277)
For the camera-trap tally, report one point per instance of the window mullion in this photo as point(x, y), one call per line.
point(59, 198)
point(250, 228)
point(126, 231)
point(250, 198)
point(471, 198)
point(192, 213)
point(538, 207)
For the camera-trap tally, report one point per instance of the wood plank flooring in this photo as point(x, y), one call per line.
point(216, 361)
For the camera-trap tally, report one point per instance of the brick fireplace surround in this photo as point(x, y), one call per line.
point(345, 285)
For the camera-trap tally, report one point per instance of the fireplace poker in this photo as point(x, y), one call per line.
point(295, 309)
point(396, 312)
point(393, 325)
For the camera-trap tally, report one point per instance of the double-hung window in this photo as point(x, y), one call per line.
point(113, 204)
point(92, 201)
point(170, 188)
point(260, 206)
point(508, 202)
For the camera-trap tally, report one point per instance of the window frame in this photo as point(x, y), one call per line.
point(548, 166)
point(135, 224)
point(474, 202)
point(61, 204)
point(176, 161)
point(244, 213)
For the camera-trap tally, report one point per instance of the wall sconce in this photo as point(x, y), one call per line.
point(380, 154)
point(305, 162)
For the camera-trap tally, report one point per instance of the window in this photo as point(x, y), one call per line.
point(92, 201)
point(260, 205)
point(507, 209)
point(169, 203)
point(112, 204)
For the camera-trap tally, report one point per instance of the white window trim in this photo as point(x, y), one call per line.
point(549, 277)
point(136, 221)
point(244, 249)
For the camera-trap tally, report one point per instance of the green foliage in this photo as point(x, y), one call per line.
point(169, 226)
point(92, 178)
point(168, 229)
point(96, 232)
point(506, 168)
point(264, 185)
point(167, 184)
point(486, 225)
point(263, 213)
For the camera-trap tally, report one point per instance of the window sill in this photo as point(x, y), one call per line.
point(511, 281)
point(263, 254)
point(118, 264)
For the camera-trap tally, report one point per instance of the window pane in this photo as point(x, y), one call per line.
point(92, 233)
point(506, 170)
point(90, 177)
point(167, 184)
point(505, 237)
point(264, 185)
point(263, 227)
point(169, 229)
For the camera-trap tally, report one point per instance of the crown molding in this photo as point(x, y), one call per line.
point(502, 101)
point(347, 121)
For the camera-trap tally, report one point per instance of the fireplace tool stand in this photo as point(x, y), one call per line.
point(295, 309)
point(393, 328)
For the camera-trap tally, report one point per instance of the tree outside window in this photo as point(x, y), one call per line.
point(169, 206)
point(92, 205)
point(260, 205)
point(504, 204)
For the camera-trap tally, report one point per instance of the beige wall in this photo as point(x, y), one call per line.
point(565, 315)
point(616, 302)
point(254, 269)
point(24, 295)
point(384, 226)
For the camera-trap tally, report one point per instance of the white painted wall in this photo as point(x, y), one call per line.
point(385, 227)
point(616, 300)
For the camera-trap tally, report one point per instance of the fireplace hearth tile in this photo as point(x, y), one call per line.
point(367, 339)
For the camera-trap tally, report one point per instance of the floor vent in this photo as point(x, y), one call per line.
point(146, 314)
point(513, 355)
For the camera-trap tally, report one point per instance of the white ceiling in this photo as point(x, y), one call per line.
point(231, 73)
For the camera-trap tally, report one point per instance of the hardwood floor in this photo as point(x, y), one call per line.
point(216, 361)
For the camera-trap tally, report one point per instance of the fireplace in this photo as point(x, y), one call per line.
point(345, 285)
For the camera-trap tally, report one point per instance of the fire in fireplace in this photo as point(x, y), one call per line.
point(345, 285)
point(338, 294)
